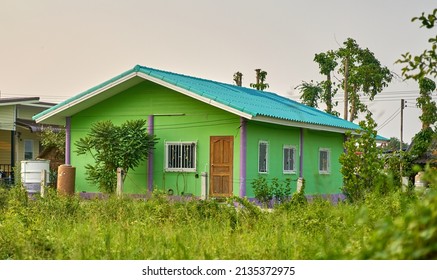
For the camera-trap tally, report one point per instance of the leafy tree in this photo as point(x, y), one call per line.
point(112, 146)
point(361, 73)
point(361, 163)
point(311, 93)
point(238, 78)
point(393, 145)
point(52, 139)
point(260, 80)
point(418, 68)
point(424, 101)
point(424, 64)
point(327, 64)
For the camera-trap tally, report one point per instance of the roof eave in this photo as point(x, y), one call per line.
point(302, 124)
point(19, 101)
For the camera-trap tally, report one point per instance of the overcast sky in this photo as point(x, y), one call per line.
point(56, 49)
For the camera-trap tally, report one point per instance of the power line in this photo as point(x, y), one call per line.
point(389, 119)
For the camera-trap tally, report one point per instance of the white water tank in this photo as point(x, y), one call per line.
point(31, 174)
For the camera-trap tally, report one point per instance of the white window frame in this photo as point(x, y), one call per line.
point(266, 143)
point(293, 159)
point(179, 162)
point(328, 163)
point(31, 151)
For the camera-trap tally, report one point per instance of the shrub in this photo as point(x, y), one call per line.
point(265, 193)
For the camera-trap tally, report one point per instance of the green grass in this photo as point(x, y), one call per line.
point(71, 228)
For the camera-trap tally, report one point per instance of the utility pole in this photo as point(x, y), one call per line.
point(402, 123)
point(402, 137)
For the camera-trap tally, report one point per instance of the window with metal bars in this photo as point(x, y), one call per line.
point(180, 156)
point(263, 156)
point(324, 161)
point(289, 157)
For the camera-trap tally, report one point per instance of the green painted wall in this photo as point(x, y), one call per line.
point(199, 122)
point(322, 183)
point(276, 136)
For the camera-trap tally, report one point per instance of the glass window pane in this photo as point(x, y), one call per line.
point(262, 157)
point(289, 153)
point(28, 149)
point(323, 160)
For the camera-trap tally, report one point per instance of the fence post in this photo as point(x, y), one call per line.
point(43, 182)
point(120, 173)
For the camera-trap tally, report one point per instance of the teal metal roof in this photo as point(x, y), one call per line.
point(246, 100)
point(251, 101)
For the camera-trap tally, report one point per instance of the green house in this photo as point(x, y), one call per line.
point(214, 138)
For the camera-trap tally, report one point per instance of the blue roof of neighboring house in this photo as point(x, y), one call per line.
point(245, 100)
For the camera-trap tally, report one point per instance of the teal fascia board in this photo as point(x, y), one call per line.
point(80, 95)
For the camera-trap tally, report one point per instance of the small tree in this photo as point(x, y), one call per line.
point(238, 78)
point(112, 146)
point(260, 80)
point(310, 93)
point(361, 163)
point(327, 64)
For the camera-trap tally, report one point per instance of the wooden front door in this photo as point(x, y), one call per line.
point(221, 166)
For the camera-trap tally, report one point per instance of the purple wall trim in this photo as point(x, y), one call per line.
point(150, 130)
point(243, 158)
point(301, 154)
point(67, 140)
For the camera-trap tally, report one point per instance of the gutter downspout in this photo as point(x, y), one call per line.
point(150, 131)
point(14, 148)
point(243, 153)
point(301, 153)
point(13, 142)
point(67, 140)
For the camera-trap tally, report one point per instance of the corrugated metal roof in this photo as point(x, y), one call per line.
point(251, 101)
point(247, 101)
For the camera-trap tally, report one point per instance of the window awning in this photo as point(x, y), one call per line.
point(36, 127)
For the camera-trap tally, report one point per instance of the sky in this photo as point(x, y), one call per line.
point(56, 49)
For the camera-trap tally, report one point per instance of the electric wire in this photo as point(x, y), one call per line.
point(388, 121)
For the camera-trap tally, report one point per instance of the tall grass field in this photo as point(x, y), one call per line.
point(394, 226)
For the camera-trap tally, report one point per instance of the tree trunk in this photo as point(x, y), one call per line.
point(258, 72)
point(328, 94)
point(345, 86)
point(353, 109)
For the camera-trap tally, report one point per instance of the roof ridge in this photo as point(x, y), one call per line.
point(137, 67)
